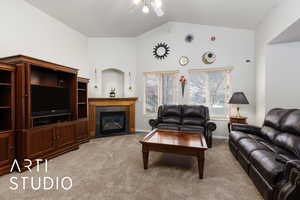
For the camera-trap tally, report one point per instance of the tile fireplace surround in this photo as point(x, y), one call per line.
point(96, 103)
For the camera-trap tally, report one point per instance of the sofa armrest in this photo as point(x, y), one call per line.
point(153, 123)
point(211, 126)
point(254, 130)
point(291, 188)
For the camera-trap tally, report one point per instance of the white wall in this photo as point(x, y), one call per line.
point(282, 76)
point(233, 47)
point(278, 20)
point(106, 53)
point(26, 30)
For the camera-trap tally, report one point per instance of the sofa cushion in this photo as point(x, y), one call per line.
point(171, 114)
point(289, 142)
point(290, 138)
point(192, 128)
point(291, 124)
point(235, 136)
point(194, 115)
point(269, 132)
point(267, 165)
point(285, 157)
point(274, 117)
point(249, 145)
point(168, 126)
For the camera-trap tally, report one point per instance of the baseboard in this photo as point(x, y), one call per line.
point(220, 137)
point(142, 131)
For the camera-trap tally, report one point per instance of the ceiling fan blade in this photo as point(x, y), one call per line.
point(158, 11)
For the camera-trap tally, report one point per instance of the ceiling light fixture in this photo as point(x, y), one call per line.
point(136, 2)
point(158, 3)
point(146, 9)
point(155, 4)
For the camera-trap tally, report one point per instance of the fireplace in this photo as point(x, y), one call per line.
point(111, 120)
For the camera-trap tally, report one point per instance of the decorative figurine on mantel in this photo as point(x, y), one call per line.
point(112, 93)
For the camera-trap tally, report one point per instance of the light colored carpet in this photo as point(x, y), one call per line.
point(111, 169)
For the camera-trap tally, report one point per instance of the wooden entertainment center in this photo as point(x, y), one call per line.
point(43, 110)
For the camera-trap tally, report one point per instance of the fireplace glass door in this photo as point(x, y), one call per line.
point(113, 122)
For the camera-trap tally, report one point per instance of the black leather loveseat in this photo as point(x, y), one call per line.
point(271, 154)
point(185, 118)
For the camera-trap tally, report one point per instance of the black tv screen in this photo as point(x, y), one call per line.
point(46, 100)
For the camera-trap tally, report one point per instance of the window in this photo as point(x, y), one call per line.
point(210, 88)
point(160, 88)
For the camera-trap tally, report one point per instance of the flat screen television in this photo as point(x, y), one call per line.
point(49, 100)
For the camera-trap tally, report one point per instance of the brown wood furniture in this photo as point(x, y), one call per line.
point(177, 142)
point(95, 102)
point(7, 116)
point(236, 120)
point(82, 133)
point(59, 133)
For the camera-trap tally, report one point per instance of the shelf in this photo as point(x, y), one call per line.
point(54, 115)
point(44, 85)
point(5, 107)
point(5, 130)
point(5, 84)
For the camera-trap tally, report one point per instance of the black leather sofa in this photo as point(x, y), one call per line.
point(271, 154)
point(185, 118)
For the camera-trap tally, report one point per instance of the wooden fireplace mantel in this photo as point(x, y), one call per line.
point(95, 102)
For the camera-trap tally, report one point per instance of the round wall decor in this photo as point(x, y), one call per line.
point(209, 57)
point(184, 61)
point(161, 51)
point(189, 38)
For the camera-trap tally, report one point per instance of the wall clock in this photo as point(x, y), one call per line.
point(209, 57)
point(184, 61)
point(161, 51)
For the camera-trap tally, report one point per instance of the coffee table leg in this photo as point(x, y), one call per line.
point(145, 159)
point(201, 159)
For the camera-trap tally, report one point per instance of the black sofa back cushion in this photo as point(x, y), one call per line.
point(291, 123)
point(194, 115)
point(290, 139)
point(289, 142)
point(171, 114)
point(269, 133)
point(274, 117)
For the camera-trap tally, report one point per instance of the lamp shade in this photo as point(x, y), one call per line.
point(238, 98)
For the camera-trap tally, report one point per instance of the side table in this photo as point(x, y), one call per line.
point(236, 120)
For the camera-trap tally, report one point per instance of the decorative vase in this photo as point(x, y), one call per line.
point(183, 82)
point(112, 93)
point(182, 88)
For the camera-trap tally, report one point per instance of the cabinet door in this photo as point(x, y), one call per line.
point(65, 135)
point(40, 141)
point(82, 130)
point(7, 148)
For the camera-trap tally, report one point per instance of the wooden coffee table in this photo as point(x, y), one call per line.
point(177, 142)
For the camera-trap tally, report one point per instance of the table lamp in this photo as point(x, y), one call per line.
point(238, 98)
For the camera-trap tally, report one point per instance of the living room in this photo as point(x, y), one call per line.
point(115, 99)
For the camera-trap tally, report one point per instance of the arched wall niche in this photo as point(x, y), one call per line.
point(112, 78)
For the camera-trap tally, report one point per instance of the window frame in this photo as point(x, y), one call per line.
point(228, 71)
point(160, 90)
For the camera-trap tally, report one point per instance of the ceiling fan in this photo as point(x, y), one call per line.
point(147, 4)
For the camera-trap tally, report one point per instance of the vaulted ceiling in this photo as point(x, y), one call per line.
point(119, 18)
